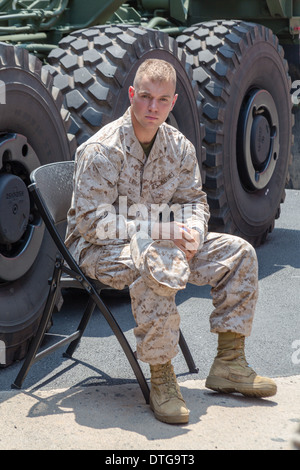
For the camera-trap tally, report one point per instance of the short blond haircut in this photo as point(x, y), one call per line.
point(157, 70)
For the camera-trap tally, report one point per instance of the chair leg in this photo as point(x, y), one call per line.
point(126, 347)
point(81, 327)
point(187, 354)
point(37, 339)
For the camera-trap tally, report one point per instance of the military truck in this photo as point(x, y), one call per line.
point(65, 68)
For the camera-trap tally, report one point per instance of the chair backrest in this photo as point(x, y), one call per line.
point(54, 181)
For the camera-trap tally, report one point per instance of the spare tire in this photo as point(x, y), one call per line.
point(33, 131)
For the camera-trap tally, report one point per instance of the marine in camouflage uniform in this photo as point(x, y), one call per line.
point(154, 270)
point(121, 195)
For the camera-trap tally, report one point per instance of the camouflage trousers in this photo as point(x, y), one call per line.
point(156, 270)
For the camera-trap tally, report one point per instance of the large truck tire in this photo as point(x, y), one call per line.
point(33, 131)
point(94, 68)
point(247, 112)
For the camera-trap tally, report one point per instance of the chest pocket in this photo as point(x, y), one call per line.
point(163, 189)
point(106, 169)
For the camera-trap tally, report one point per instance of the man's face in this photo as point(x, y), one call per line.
point(151, 104)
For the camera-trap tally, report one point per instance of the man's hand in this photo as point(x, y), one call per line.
point(186, 239)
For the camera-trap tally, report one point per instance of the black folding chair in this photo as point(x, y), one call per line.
point(51, 188)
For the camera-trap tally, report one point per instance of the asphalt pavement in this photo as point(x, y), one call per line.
point(93, 401)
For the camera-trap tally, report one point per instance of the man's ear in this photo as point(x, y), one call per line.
point(131, 93)
point(174, 101)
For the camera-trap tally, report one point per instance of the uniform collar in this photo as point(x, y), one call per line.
point(134, 145)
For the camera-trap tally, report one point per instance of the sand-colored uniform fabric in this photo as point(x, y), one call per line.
point(118, 195)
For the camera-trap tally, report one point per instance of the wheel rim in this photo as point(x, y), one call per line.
point(21, 229)
point(258, 140)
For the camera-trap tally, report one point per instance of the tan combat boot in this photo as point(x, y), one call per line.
point(166, 400)
point(231, 373)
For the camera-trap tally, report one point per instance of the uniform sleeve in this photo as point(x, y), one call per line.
point(98, 217)
point(189, 202)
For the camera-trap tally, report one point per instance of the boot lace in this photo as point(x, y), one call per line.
point(170, 383)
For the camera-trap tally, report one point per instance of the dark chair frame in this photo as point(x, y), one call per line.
point(66, 273)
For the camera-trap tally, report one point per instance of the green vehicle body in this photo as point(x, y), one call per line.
point(60, 80)
point(45, 22)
